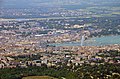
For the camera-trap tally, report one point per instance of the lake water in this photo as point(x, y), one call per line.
point(95, 41)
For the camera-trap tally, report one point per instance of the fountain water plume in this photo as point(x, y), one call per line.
point(82, 40)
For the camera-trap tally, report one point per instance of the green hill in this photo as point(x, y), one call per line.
point(39, 77)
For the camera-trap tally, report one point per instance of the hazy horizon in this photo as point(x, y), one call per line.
point(55, 3)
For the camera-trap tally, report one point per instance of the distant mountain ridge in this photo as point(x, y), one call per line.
point(44, 3)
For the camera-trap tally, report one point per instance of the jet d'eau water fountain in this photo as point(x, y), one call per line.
point(82, 40)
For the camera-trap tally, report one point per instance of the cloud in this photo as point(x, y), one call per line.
point(1, 1)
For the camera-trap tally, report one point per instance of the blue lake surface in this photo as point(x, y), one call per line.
point(95, 41)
